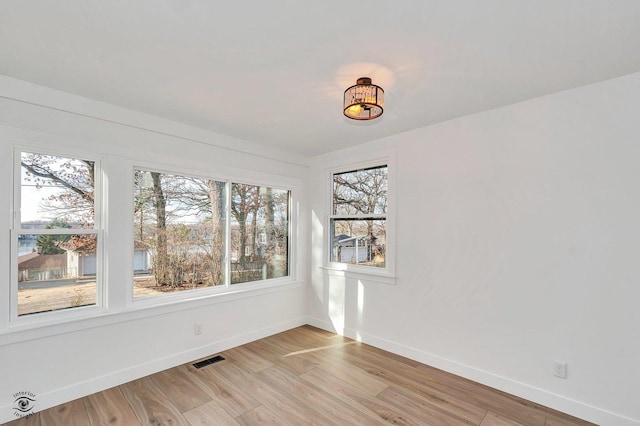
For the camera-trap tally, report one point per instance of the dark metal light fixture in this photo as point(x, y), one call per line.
point(364, 101)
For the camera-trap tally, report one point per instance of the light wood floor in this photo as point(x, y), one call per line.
point(299, 377)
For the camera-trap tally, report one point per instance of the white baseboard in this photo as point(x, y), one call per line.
point(98, 384)
point(522, 390)
point(540, 396)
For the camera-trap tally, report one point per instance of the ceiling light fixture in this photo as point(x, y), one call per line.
point(364, 101)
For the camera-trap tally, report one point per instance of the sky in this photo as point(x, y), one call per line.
point(31, 199)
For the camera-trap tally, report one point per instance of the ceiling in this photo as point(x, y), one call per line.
point(273, 72)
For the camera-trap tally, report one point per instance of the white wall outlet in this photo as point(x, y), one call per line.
point(197, 329)
point(560, 369)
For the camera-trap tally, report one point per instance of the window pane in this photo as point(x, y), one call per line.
point(179, 228)
point(259, 233)
point(359, 242)
point(360, 191)
point(56, 189)
point(59, 272)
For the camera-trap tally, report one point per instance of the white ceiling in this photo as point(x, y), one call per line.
point(273, 72)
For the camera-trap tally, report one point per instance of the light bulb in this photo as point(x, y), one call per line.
point(354, 110)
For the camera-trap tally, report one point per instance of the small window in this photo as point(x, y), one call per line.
point(56, 234)
point(259, 233)
point(358, 220)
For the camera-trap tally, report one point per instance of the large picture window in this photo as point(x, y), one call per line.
point(358, 220)
point(193, 232)
point(179, 232)
point(56, 234)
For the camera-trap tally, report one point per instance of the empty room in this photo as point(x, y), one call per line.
point(278, 212)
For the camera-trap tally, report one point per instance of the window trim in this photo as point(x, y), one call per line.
point(117, 195)
point(384, 275)
point(71, 313)
point(25, 332)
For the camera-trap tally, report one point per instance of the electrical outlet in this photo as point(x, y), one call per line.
point(560, 369)
point(197, 329)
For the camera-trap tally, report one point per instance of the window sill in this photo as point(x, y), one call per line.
point(17, 332)
point(359, 274)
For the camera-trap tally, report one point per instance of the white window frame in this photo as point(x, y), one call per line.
point(290, 235)
point(385, 274)
point(72, 313)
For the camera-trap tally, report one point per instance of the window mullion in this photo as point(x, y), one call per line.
point(358, 216)
point(17, 192)
point(227, 235)
point(57, 231)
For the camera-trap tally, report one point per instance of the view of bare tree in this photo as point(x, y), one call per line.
point(76, 177)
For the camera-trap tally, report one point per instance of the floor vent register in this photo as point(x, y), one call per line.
point(209, 361)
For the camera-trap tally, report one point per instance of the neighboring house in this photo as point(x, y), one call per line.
point(358, 249)
point(349, 251)
point(81, 255)
point(141, 257)
point(41, 267)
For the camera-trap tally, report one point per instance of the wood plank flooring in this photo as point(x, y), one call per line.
point(304, 376)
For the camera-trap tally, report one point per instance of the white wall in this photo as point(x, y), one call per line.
point(516, 245)
point(518, 240)
point(69, 360)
